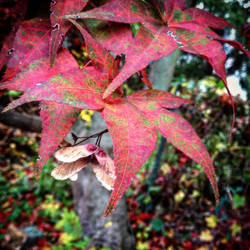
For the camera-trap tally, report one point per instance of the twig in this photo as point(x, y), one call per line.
point(85, 138)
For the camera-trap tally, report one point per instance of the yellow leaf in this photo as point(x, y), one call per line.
point(170, 248)
point(206, 235)
point(165, 168)
point(75, 53)
point(65, 238)
point(195, 193)
point(235, 229)
point(142, 246)
point(108, 224)
point(211, 221)
point(203, 248)
point(183, 178)
point(52, 206)
point(86, 115)
point(179, 196)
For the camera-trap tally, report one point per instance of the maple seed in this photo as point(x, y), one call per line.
point(101, 153)
point(75, 159)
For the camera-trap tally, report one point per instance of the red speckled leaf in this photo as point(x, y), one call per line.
point(145, 48)
point(130, 11)
point(192, 26)
point(64, 83)
point(57, 120)
point(31, 43)
point(166, 7)
point(176, 130)
point(211, 50)
point(133, 123)
point(132, 147)
point(198, 16)
point(19, 11)
point(60, 27)
point(116, 38)
point(206, 32)
point(96, 51)
point(205, 18)
point(146, 98)
point(181, 134)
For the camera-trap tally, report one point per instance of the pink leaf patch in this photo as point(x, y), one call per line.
point(19, 11)
point(132, 147)
point(64, 83)
point(57, 121)
point(31, 43)
point(145, 48)
point(60, 27)
point(133, 123)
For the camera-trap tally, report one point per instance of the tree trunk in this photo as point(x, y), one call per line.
point(162, 71)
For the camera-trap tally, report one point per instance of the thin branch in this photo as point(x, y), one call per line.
point(85, 138)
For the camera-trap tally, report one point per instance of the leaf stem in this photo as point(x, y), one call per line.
point(85, 138)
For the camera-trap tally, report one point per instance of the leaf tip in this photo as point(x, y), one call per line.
point(108, 210)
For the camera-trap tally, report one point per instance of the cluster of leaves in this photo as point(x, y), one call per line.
point(53, 77)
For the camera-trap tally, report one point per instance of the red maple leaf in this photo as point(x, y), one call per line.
point(147, 111)
point(31, 42)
